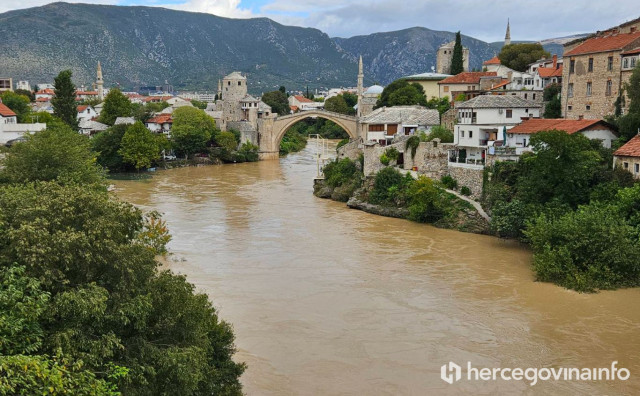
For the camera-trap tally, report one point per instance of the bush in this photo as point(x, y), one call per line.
point(342, 143)
point(449, 182)
point(425, 201)
point(508, 219)
point(440, 132)
point(292, 142)
point(340, 172)
point(412, 143)
point(389, 187)
point(465, 191)
point(384, 159)
point(587, 249)
point(392, 153)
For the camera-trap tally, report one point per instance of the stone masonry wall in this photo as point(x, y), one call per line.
point(351, 150)
point(372, 153)
point(431, 159)
point(470, 177)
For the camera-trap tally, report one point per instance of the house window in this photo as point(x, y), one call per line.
point(636, 168)
point(570, 107)
point(509, 113)
point(610, 63)
point(590, 64)
point(534, 96)
point(633, 62)
point(228, 82)
point(588, 107)
point(470, 134)
point(589, 88)
point(609, 87)
point(626, 165)
point(239, 83)
point(625, 63)
point(572, 66)
point(525, 96)
point(462, 133)
point(446, 88)
point(570, 91)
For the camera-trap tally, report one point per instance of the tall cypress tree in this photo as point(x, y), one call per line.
point(457, 63)
point(64, 101)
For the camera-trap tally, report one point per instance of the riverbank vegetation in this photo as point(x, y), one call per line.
point(390, 193)
point(86, 308)
point(576, 211)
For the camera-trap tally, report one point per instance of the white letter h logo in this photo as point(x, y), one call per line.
point(450, 372)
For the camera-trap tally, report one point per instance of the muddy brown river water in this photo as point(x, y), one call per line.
point(326, 300)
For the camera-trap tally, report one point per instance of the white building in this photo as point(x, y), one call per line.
point(300, 103)
point(385, 123)
point(520, 135)
point(40, 87)
point(24, 85)
point(482, 122)
point(86, 113)
point(45, 94)
point(161, 123)
point(9, 127)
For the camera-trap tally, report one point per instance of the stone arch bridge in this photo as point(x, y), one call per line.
point(271, 130)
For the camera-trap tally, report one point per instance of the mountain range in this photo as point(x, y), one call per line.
point(139, 46)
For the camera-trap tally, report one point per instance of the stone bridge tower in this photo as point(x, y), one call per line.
point(234, 89)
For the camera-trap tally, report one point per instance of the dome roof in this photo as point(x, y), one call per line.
point(374, 89)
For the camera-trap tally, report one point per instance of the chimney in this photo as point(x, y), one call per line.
point(555, 61)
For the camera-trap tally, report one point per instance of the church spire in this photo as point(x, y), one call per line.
point(507, 37)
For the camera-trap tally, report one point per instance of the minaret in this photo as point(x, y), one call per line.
point(100, 82)
point(219, 89)
point(507, 37)
point(360, 85)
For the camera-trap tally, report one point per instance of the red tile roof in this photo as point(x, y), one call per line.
point(302, 99)
point(604, 44)
point(467, 78)
point(47, 91)
point(547, 72)
point(500, 84)
point(161, 119)
point(82, 108)
point(5, 111)
point(630, 149)
point(493, 61)
point(86, 93)
point(158, 98)
point(293, 108)
point(536, 125)
point(43, 100)
point(632, 52)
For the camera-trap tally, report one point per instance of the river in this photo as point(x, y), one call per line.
point(326, 300)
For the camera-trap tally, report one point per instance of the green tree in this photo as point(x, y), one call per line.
point(519, 56)
point(139, 147)
point(64, 101)
point(41, 116)
point(18, 103)
point(57, 153)
point(116, 104)
point(200, 105)
point(457, 61)
point(350, 98)
point(440, 132)
point(338, 104)
point(632, 89)
point(278, 102)
point(227, 140)
point(553, 107)
point(401, 93)
point(440, 104)
point(28, 94)
point(109, 304)
point(192, 129)
point(106, 145)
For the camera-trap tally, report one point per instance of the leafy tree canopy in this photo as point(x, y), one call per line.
point(519, 56)
point(401, 93)
point(278, 101)
point(64, 101)
point(18, 103)
point(192, 129)
point(139, 147)
point(116, 104)
point(338, 104)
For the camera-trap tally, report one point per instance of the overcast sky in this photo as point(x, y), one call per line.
point(483, 19)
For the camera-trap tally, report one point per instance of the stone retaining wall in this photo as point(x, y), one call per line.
point(468, 176)
point(351, 150)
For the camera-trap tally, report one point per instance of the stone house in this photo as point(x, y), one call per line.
point(464, 83)
point(482, 122)
point(445, 55)
point(592, 78)
point(429, 82)
point(386, 123)
point(628, 156)
point(520, 135)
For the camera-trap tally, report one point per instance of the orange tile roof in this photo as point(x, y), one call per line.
point(493, 61)
point(630, 149)
point(501, 84)
point(467, 78)
point(546, 72)
point(86, 93)
point(536, 125)
point(604, 43)
point(302, 99)
point(47, 91)
point(294, 108)
point(634, 51)
point(5, 111)
point(82, 108)
point(161, 119)
point(43, 100)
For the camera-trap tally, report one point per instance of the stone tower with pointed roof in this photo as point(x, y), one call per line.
point(100, 82)
point(507, 37)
